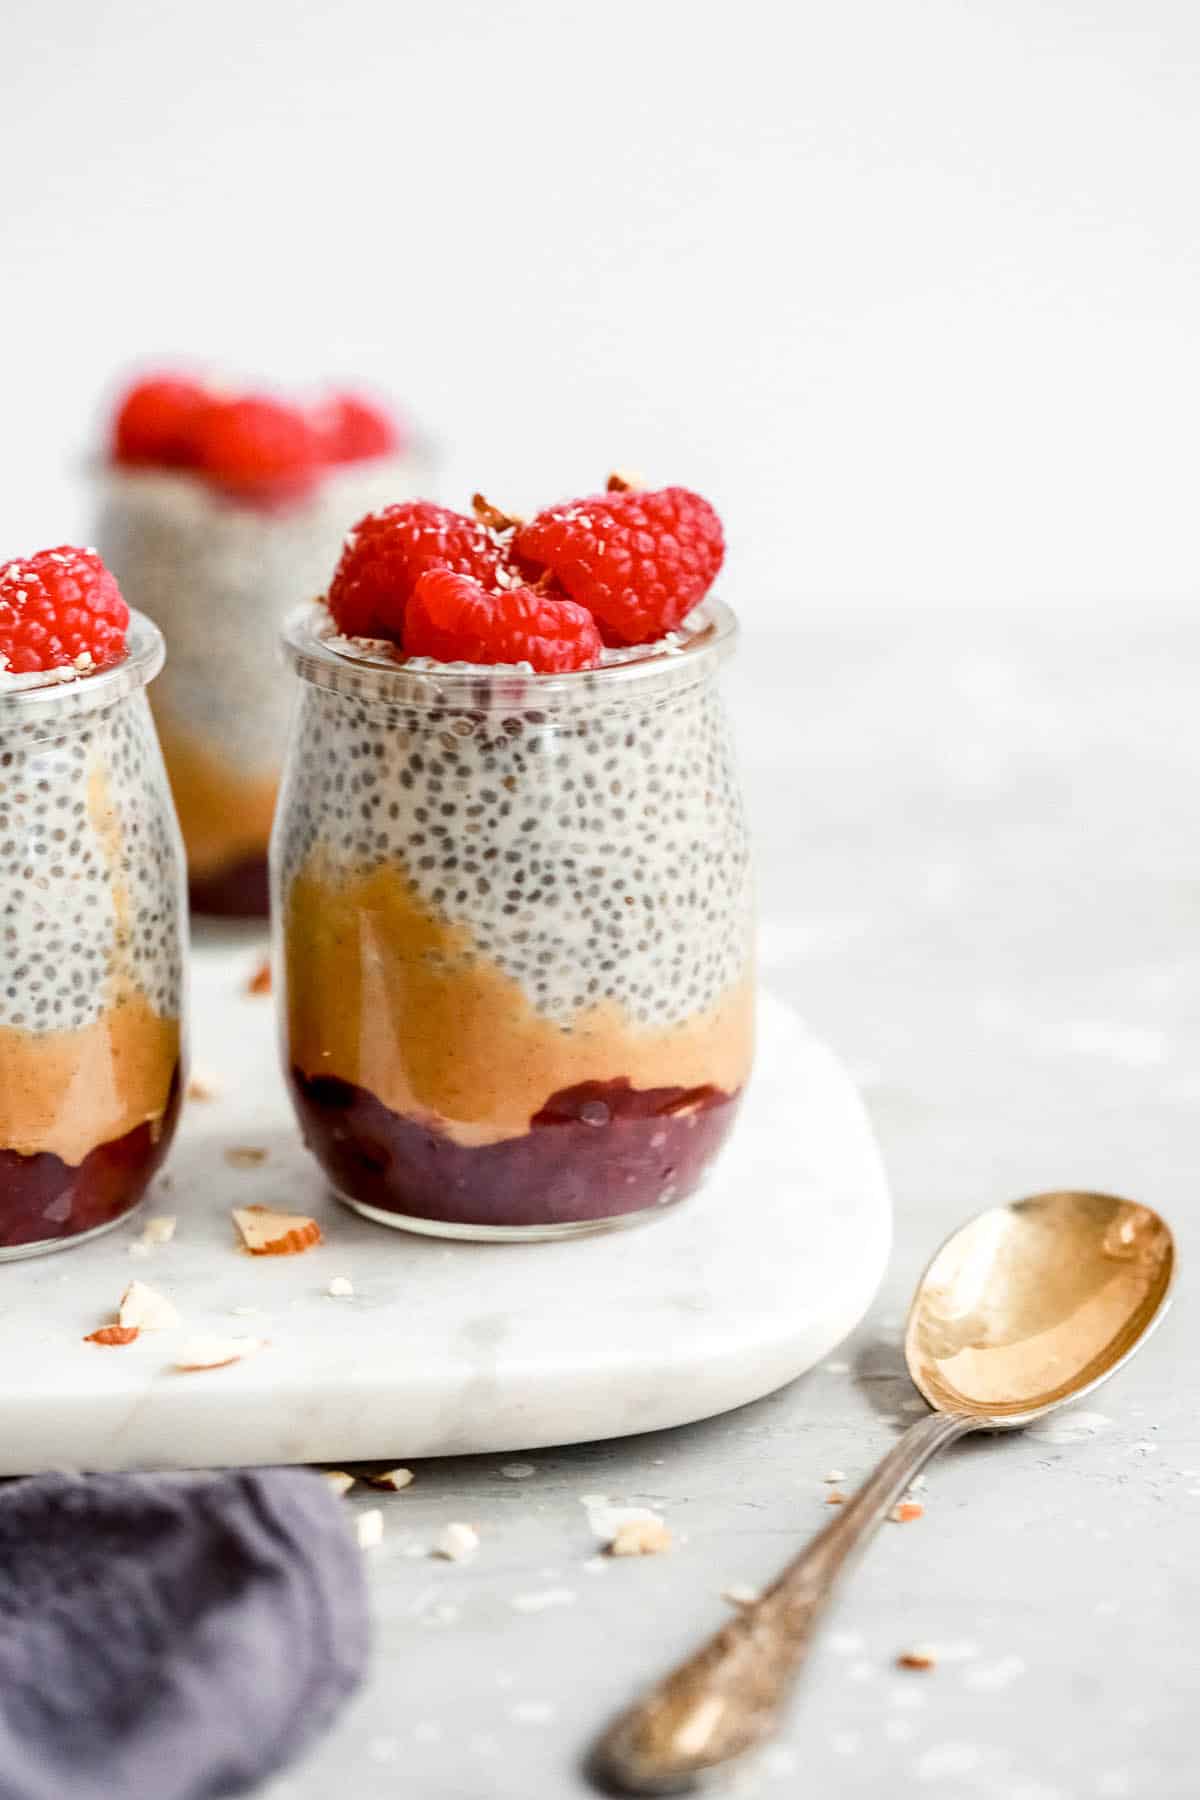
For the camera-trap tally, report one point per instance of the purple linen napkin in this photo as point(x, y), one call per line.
point(171, 1637)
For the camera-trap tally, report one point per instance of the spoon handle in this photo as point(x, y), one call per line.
point(728, 1697)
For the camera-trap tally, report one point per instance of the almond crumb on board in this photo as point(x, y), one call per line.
point(622, 481)
point(907, 1511)
point(340, 1480)
point(202, 1087)
point(368, 1528)
point(260, 981)
point(341, 1287)
point(245, 1156)
point(919, 1658)
point(740, 1594)
point(392, 1479)
point(835, 1499)
point(215, 1352)
point(640, 1537)
point(160, 1230)
point(268, 1233)
point(112, 1334)
point(146, 1309)
point(836, 1476)
point(456, 1541)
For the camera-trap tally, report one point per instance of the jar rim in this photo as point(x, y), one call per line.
point(144, 656)
point(706, 637)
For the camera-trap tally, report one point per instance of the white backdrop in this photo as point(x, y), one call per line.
point(910, 287)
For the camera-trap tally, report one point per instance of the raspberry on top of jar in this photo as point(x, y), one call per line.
point(254, 445)
point(220, 506)
point(618, 570)
point(516, 916)
point(91, 905)
point(60, 610)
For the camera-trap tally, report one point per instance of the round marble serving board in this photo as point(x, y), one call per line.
point(444, 1348)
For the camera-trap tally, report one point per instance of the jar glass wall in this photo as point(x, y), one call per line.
point(513, 926)
point(92, 935)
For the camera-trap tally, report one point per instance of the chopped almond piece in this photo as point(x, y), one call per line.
point(202, 1087)
point(159, 1231)
point(392, 1479)
point(907, 1511)
point(641, 1537)
point(492, 516)
point(338, 1480)
point(835, 1499)
point(621, 481)
point(456, 1541)
point(146, 1309)
point(920, 1658)
point(112, 1334)
point(215, 1352)
point(268, 1233)
point(260, 981)
point(341, 1287)
point(245, 1156)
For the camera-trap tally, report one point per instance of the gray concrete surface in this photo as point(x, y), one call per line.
point(980, 872)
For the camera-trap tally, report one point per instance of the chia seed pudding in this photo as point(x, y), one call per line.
point(218, 569)
point(513, 919)
point(92, 924)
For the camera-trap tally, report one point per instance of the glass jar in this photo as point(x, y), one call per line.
point(92, 932)
point(219, 574)
point(513, 929)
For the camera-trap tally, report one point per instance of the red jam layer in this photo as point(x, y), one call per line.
point(239, 892)
point(44, 1200)
point(595, 1151)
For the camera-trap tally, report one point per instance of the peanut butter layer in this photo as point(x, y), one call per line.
point(67, 1091)
point(225, 816)
point(383, 994)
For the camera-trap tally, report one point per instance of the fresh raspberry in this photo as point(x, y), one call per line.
point(388, 551)
point(353, 429)
point(454, 619)
point(258, 447)
point(156, 422)
point(58, 608)
point(639, 561)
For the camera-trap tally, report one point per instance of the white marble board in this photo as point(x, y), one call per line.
point(443, 1348)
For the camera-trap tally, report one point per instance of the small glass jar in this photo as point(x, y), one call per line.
point(219, 573)
point(513, 929)
point(92, 932)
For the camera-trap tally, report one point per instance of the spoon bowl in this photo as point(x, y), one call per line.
point(1036, 1303)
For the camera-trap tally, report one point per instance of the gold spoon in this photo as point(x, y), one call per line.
point(1028, 1307)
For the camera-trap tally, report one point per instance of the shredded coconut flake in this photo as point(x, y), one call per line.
point(541, 1602)
point(215, 1352)
point(368, 1528)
